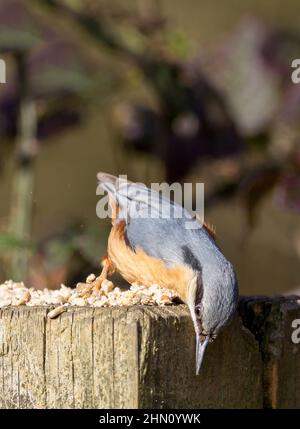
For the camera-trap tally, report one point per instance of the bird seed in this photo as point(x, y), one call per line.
point(17, 294)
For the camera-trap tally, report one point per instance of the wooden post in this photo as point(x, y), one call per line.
point(135, 357)
point(271, 321)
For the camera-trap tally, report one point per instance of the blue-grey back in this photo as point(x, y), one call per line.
point(171, 241)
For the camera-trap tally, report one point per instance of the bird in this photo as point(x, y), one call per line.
point(154, 240)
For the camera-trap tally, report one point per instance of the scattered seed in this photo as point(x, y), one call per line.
point(107, 286)
point(90, 278)
point(12, 293)
point(56, 311)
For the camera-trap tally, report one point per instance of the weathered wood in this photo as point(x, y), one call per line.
point(231, 372)
point(140, 357)
point(270, 320)
point(22, 358)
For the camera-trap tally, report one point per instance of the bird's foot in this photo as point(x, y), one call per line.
point(85, 290)
point(97, 285)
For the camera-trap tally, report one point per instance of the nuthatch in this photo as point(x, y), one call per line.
point(154, 240)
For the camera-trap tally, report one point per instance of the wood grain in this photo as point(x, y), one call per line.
point(129, 357)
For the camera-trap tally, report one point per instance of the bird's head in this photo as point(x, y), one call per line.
point(212, 297)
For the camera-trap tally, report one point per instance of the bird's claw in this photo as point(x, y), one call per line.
point(96, 284)
point(85, 290)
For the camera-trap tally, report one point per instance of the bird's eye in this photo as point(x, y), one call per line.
point(198, 311)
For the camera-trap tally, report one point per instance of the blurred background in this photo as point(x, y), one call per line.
point(160, 90)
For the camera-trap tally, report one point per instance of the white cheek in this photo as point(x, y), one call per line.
point(191, 301)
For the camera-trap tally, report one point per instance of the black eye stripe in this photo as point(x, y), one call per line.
point(198, 302)
point(199, 292)
point(190, 259)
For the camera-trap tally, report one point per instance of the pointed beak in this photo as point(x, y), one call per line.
point(200, 349)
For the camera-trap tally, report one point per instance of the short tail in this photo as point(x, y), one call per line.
point(129, 199)
point(106, 177)
point(113, 186)
point(108, 181)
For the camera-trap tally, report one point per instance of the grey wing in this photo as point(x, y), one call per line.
point(166, 239)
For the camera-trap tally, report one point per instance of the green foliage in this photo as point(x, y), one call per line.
point(133, 39)
point(9, 242)
point(56, 79)
point(177, 44)
point(18, 40)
